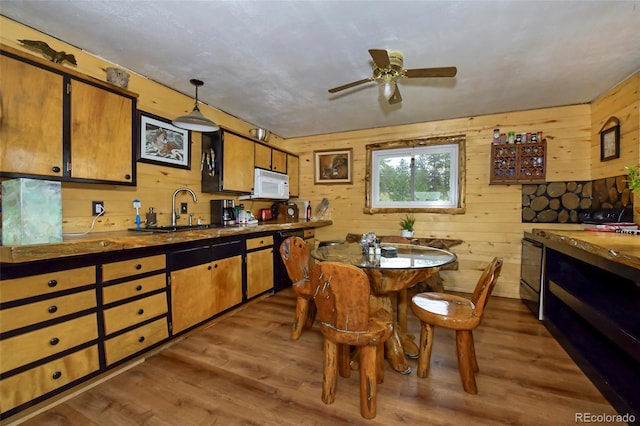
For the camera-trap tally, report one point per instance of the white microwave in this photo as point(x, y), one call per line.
point(269, 185)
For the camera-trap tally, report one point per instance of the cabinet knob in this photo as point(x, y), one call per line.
point(209, 268)
point(138, 266)
point(127, 176)
point(138, 287)
point(52, 309)
point(141, 339)
point(215, 266)
point(56, 375)
point(140, 311)
point(54, 341)
point(52, 283)
point(55, 169)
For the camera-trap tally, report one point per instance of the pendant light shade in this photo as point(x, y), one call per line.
point(195, 120)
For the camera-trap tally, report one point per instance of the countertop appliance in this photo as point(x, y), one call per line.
point(223, 212)
point(265, 214)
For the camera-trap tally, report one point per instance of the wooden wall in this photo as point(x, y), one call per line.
point(155, 183)
point(490, 227)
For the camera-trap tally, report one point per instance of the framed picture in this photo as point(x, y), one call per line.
point(610, 143)
point(333, 166)
point(162, 143)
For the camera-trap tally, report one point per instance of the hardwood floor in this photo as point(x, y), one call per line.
point(244, 370)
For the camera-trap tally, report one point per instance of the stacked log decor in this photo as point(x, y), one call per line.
point(561, 202)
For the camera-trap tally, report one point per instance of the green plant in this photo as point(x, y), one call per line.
point(634, 177)
point(408, 222)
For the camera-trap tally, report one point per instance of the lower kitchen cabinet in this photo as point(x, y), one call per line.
point(259, 265)
point(209, 282)
point(136, 340)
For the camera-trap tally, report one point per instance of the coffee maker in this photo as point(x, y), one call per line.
point(223, 212)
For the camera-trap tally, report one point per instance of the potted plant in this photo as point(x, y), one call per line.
point(406, 225)
point(634, 186)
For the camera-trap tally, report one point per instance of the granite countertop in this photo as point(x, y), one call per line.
point(620, 248)
point(99, 242)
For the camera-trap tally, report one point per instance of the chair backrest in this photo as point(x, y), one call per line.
point(485, 285)
point(295, 256)
point(341, 296)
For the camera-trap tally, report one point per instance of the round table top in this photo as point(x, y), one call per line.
point(394, 256)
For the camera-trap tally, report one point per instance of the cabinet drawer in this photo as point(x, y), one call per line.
point(131, 313)
point(125, 268)
point(128, 289)
point(33, 313)
point(25, 348)
point(126, 344)
point(255, 243)
point(37, 381)
point(37, 285)
point(309, 233)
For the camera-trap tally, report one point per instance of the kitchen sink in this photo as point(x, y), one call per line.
point(176, 228)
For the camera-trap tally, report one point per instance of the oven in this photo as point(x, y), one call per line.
point(532, 276)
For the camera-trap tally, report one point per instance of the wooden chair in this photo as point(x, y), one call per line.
point(342, 299)
point(457, 313)
point(296, 259)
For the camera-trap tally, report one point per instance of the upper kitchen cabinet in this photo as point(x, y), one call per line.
point(59, 124)
point(227, 163)
point(270, 158)
point(293, 172)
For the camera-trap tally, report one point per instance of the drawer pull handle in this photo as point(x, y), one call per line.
point(54, 341)
point(127, 176)
point(55, 169)
point(53, 309)
point(56, 375)
point(215, 266)
point(209, 268)
point(140, 311)
point(138, 266)
point(141, 339)
point(52, 283)
point(138, 287)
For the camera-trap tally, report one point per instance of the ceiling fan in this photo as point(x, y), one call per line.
point(388, 69)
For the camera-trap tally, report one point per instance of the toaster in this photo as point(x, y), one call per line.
point(265, 214)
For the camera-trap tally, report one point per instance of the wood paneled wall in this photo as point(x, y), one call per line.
point(492, 224)
point(621, 102)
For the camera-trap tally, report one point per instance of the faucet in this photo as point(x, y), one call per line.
point(174, 214)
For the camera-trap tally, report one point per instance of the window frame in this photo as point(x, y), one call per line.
point(459, 140)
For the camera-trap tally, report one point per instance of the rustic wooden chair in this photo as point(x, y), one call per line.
point(342, 299)
point(297, 261)
point(457, 313)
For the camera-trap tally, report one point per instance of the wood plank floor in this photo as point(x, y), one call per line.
point(244, 370)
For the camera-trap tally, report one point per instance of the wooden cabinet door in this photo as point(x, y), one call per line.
point(259, 272)
point(278, 161)
point(101, 134)
point(31, 134)
point(294, 177)
point(227, 278)
point(263, 156)
point(191, 296)
point(238, 158)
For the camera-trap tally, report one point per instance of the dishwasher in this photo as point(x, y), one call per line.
point(281, 277)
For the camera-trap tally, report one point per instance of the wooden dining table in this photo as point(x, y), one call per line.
point(399, 267)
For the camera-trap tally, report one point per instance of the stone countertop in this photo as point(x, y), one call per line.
point(100, 242)
point(619, 248)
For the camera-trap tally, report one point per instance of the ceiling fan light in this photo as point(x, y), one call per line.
point(388, 88)
point(195, 120)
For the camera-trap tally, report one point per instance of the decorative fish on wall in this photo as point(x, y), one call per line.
point(48, 52)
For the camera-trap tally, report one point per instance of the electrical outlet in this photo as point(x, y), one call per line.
point(97, 207)
point(183, 208)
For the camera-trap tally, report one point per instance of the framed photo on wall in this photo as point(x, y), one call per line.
point(610, 143)
point(333, 166)
point(162, 143)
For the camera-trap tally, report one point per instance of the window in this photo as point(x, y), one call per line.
point(423, 175)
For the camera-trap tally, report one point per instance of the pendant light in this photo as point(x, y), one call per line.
point(195, 120)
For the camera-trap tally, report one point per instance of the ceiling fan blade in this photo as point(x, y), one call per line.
point(348, 85)
point(396, 98)
point(431, 72)
point(380, 57)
